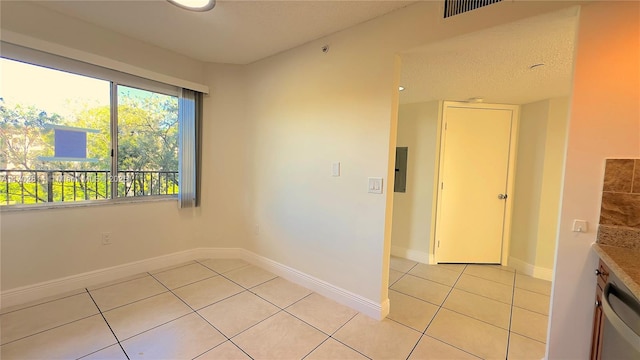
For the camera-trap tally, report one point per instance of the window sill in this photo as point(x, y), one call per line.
point(87, 203)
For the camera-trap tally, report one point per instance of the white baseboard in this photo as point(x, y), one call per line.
point(368, 307)
point(414, 255)
point(530, 269)
point(59, 286)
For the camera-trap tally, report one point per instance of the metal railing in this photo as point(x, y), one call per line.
point(47, 186)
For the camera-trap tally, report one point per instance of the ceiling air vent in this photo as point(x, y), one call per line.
point(455, 7)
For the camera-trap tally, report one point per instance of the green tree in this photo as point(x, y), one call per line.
point(147, 141)
point(23, 135)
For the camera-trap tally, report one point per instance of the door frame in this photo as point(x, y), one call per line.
point(513, 146)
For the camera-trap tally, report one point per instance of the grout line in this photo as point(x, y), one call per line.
point(45, 330)
point(444, 342)
point(433, 281)
point(527, 337)
point(222, 343)
point(476, 319)
point(191, 283)
point(80, 292)
point(177, 266)
point(106, 322)
point(203, 318)
point(513, 294)
point(119, 281)
point(436, 313)
point(486, 297)
point(218, 272)
point(497, 282)
point(347, 345)
point(533, 311)
point(417, 298)
point(192, 310)
point(317, 346)
point(405, 325)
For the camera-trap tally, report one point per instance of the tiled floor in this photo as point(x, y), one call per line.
point(228, 309)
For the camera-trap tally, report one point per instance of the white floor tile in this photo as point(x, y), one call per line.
point(28, 321)
point(183, 338)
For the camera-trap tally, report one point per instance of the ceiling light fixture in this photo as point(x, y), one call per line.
point(401, 88)
point(194, 5)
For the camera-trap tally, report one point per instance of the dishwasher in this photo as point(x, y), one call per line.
point(621, 331)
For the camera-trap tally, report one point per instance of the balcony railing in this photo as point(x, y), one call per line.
point(47, 186)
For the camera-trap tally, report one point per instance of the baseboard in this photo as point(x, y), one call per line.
point(62, 285)
point(54, 287)
point(340, 295)
point(415, 255)
point(530, 269)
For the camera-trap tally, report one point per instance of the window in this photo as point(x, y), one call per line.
point(67, 137)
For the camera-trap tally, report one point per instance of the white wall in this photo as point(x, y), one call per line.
point(541, 149)
point(604, 122)
point(412, 210)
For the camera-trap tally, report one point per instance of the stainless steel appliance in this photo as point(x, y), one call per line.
point(621, 334)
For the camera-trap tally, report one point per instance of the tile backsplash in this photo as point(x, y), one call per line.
point(620, 211)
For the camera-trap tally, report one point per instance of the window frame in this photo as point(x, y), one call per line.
point(115, 78)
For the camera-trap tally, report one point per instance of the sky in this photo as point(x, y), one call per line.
point(53, 91)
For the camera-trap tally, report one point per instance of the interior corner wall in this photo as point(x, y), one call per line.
point(540, 159)
point(604, 122)
point(551, 185)
point(532, 136)
point(412, 210)
point(226, 160)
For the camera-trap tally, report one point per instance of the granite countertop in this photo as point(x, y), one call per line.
point(624, 262)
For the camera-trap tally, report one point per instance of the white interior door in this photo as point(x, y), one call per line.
point(473, 178)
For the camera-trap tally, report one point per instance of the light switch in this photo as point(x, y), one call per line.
point(579, 226)
point(335, 169)
point(375, 185)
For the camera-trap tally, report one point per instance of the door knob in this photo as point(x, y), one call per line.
point(502, 196)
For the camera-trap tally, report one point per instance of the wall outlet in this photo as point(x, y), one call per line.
point(579, 226)
point(256, 229)
point(106, 238)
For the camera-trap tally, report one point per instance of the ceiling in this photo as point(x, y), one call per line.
point(236, 32)
point(494, 64)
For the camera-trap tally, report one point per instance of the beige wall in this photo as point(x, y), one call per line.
point(412, 210)
point(604, 122)
point(226, 159)
point(42, 245)
point(541, 148)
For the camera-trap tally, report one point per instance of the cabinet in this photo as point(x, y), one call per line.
point(602, 274)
